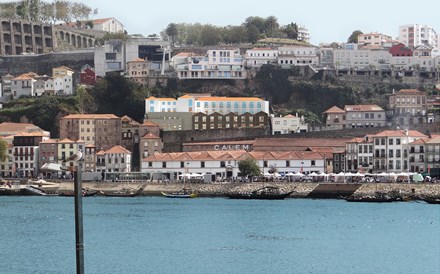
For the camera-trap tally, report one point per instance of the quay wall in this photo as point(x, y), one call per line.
point(300, 190)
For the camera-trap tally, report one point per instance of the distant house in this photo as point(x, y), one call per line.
point(409, 107)
point(108, 24)
point(288, 124)
point(63, 80)
point(400, 50)
point(115, 159)
point(87, 75)
point(23, 85)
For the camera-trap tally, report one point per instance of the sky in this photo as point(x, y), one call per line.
point(327, 21)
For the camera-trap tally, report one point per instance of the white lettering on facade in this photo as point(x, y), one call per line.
point(232, 147)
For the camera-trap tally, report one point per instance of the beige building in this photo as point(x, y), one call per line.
point(63, 80)
point(108, 24)
point(363, 116)
point(100, 130)
point(409, 107)
point(288, 124)
point(373, 38)
point(149, 145)
point(138, 71)
point(115, 159)
point(334, 118)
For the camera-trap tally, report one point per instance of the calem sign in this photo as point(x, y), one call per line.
point(232, 147)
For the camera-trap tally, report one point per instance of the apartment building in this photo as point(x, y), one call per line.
point(110, 25)
point(115, 159)
point(359, 155)
point(222, 63)
point(414, 35)
point(257, 57)
point(363, 116)
point(103, 131)
point(26, 151)
point(138, 71)
point(409, 107)
point(206, 104)
point(432, 153)
point(391, 149)
point(23, 85)
point(297, 56)
point(373, 39)
point(63, 80)
point(203, 121)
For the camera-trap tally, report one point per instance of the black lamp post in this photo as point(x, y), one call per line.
point(79, 219)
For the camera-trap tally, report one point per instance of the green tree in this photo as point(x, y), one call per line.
point(291, 31)
point(172, 32)
point(86, 103)
point(3, 150)
point(271, 26)
point(210, 35)
point(253, 34)
point(353, 38)
point(256, 21)
point(249, 167)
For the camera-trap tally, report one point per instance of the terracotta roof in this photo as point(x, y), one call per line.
point(150, 135)
point(229, 99)
point(334, 109)
point(102, 20)
point(410, 91)
point(247, 142)
point(161, 99)
point(8, 126)
point(262, 49)
point(101, 152)
point(150, 123)
point(300, 143)
point(434, 140)
point(184, 54)
point(360, 140)
point(400, 133)
point(90, 116)
point(24, 76)
point(64, 67)
point(117, 149)
point(420, 141)
point(362, 108)
point(138, 60)
point(49, 141)
point(30, 134)
point(66, 141)
point(90, 145)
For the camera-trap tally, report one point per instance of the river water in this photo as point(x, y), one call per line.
point(215, 235)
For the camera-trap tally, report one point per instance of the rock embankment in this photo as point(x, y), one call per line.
point(300, 190)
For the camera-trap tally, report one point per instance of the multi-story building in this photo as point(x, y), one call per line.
point(401, 50)
point(149, 145)
point(114, 54)
point(303, 34)
point(207, 104)
point(66, 148)
point(257, 57)
point(222, 63)
point(23, 85)
point(391, 149)
point(359, 155)
point(373, 39)
point(25, 152)
point(414, 35)
point(432, 153)
point(417, 160)
point(334, 118)
point(351, 57)
point(103, 131)
point(297, 56)
point(63, 80)
point(138, 71)
point(288, 124)
point(360, 116)
point(8, 128)
point(115, 159)
point(409, 107)
point(6, 85)
point(203, 121)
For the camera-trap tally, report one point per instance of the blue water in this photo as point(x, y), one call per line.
point(204, 235)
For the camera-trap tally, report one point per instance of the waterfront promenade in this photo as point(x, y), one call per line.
point(300, 189)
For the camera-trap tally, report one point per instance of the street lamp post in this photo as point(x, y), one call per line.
point(79, 219)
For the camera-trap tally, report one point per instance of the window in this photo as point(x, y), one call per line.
point(397, 141)
point(390, 141)
point(164, 164)
point(222, 164)
point(202, 164)
point(313, 163)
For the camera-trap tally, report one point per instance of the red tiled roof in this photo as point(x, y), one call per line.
point(150, 135)
point(400, 133)
point(334, 109)
point(362, 108)
point(90, 116)
point(117, 150)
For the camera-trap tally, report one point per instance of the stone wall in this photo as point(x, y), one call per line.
point(43, 63)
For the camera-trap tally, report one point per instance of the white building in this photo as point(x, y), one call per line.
point(224, 164)
point(303, 34)
point(297, 56)
point(108, 24)
point(257, 57)
point(414, 35)
point(115, 159)
point(288, 124)
point(351, 57)
point(391, 149)
point(23, 85)
point(63, 80)
point(216, 64)
point(207, 104)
